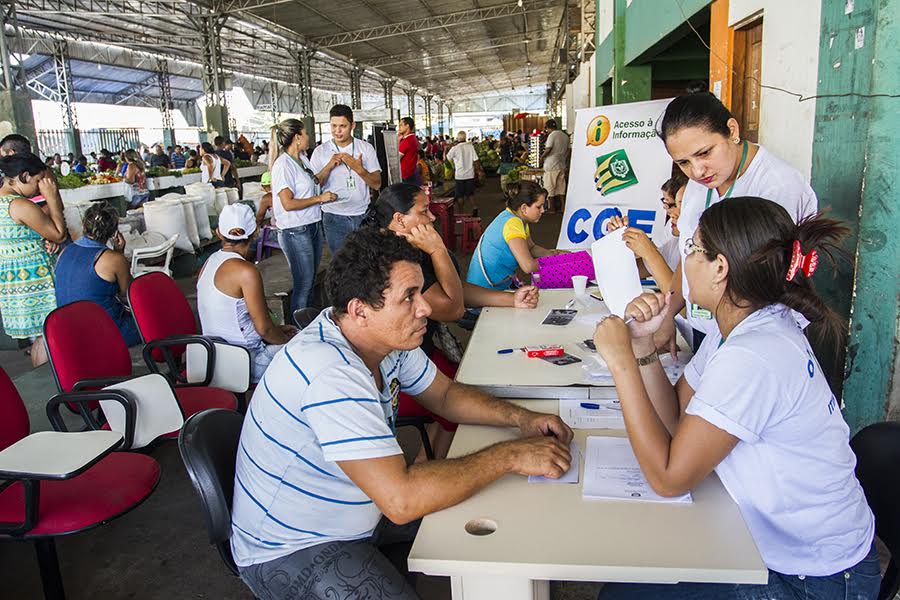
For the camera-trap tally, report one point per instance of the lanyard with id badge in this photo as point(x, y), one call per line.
point(351, 180)
point(696, 311)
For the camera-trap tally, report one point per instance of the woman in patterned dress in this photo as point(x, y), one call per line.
point(27, 294)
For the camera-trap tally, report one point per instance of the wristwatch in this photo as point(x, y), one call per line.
point(648, 360)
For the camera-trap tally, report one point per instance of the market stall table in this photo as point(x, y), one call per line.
point(549, 532)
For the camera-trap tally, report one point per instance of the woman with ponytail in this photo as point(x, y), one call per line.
point(704, 140)
point(753, 405)
point(296, 204)
point(403, 208)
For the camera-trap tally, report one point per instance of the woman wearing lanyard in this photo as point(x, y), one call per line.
point(753, 405)
point(704, 140)
point(296, 203)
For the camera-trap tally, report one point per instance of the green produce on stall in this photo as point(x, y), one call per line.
point(70, 181)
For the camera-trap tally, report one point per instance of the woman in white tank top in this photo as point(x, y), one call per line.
point(212, 165)
point(230, 296)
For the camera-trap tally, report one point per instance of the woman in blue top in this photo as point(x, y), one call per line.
point(88, 270)
point(506, 244)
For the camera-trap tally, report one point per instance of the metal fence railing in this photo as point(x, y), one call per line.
point(52, 141)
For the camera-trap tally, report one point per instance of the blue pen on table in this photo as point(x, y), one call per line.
point(595, 406)
point(506, 351)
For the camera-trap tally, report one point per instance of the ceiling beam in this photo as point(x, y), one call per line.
point(464, 17)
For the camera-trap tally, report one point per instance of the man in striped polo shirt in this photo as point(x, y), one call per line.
point(318, 465)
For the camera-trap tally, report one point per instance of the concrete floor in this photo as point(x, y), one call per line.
point(160, 550)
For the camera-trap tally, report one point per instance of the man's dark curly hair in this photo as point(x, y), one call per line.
point(362, 267)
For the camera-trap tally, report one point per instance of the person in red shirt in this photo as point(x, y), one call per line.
point(409, 150)
point(106, 163)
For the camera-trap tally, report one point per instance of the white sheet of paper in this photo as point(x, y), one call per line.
point(597, 373)
point(612, 472)
point(608, 416)
point(571, 476)
point(617, 272)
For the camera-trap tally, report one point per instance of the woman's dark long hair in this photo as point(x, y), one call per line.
point(700, 109)
point(15, 165)
point(395, 198)
point(521, 193)
point(757, 236)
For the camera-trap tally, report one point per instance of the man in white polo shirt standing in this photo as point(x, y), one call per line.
point(348, 167)
point(320, 479)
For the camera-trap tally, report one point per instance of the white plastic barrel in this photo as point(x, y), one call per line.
point(201, 216)
point(232, 195)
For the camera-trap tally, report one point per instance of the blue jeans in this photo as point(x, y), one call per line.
point(860, 582)
point(338, 227)
point(302, 246)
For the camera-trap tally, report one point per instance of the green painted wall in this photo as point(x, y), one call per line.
point(652, 20)
point(854, 171)
point(630, 83)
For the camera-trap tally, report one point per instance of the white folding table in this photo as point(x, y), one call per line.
point(513, 375)
point(548, 532)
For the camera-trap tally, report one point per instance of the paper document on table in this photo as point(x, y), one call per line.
point(612, 472)
point(576, 416)
point(570, 476)
point(617, 272)
point(597, 373)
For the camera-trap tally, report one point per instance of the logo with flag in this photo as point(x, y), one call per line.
point(614, 172)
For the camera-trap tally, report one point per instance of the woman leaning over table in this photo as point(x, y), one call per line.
point(753, 406)
point(704, 140)
point(296, 204)
point(506, 244)
point(27, 294)
point(403, 208)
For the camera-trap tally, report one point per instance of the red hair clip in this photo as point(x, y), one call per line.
point(806, 263)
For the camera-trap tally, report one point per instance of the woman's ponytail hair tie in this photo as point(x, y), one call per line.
point(805, 263)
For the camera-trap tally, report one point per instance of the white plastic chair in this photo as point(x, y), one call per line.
point(165, 249)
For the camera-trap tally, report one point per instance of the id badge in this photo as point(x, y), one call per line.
point(351, 183)
point(700, 313)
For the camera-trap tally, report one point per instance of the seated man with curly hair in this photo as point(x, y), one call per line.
point(321, 481)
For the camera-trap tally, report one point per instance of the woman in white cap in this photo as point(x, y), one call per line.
point(230, 296)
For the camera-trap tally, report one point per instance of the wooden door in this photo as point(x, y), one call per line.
point(745, 91)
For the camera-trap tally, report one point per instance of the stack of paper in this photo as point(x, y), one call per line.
point(576, 416)
point(597, 373)
point(570, 476)
point(612, 472)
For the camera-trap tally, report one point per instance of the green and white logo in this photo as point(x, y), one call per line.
point(614, 172)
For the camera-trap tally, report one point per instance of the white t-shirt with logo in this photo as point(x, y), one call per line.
point(350, 202)
point(287, 174)
point(463, 156)
point(767, 177)
point(792, 472)
point(316, 405)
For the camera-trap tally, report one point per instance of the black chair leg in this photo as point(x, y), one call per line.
point(426, 443)
point(48, 563)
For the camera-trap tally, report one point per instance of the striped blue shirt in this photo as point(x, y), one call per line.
point(316, 404)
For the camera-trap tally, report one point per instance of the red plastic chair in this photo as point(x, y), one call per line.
point(444, 211)
point(471, 232)
point(36, 509)
point(167, 325)
point(87, 352)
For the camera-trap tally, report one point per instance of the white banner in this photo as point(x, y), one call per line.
point(618, 166)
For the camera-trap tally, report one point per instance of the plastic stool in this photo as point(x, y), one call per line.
point(471, 231)
point(268, 239)
point(445, 213)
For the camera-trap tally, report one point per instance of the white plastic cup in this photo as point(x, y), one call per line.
point(579, 284)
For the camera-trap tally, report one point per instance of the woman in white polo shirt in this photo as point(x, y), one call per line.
point(704, 139)
point(296, 203)
point(753, 405)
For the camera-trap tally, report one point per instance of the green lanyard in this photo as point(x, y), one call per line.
point(352, 150)
point(740, 168)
